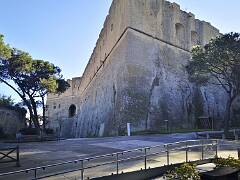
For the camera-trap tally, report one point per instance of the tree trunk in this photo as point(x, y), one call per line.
point(30, 113)
point(43, 115)
point(30, 123)
point(23, 97)
point(228, 114)
point(35, 114)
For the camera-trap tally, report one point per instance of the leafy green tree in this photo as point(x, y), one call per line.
point(4, 49)
point(6, 100)
point(51, 85)
point(218, 63)
point(38, 82)
point(33, 79)
point(12, 63)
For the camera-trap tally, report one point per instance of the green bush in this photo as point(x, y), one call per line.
point(29, 131)
point(49, 131)
point(186, 171)
point(2, 134)
point(6, 100)
point(228, 162)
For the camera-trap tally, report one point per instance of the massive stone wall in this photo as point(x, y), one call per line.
point(158, 88)
point(59, 105)
point(167, 22)
point(136, 74)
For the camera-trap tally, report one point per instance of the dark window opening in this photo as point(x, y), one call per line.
point(72, 111)
point(180, 34)
point(111, 27)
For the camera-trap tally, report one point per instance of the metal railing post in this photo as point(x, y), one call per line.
point(82, 170)
point(117, 163)
point(238, 153)
point(35, 174)
point(167, 155)
point(202, 148)
point(145, 158)
point(17, 154)
point(216, 148)
point(186, 152)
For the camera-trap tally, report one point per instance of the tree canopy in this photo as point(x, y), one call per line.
point(6, 100)
point(218, 63)
point(32, 78)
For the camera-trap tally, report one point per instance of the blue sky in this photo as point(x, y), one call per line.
point(65, 31)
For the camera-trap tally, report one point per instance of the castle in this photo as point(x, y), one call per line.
point(136, 75)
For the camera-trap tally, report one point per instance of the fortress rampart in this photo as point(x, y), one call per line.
point(160, 19)
point(136, 66)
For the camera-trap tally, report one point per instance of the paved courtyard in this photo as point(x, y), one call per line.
point(44, 153)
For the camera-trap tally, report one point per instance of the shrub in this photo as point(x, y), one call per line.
point(228, 162)
point(185, 172)
point(2, 134)
point(29, 131)
point(49, 131)
point(6, 100)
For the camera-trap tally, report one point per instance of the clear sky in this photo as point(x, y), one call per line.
point(64, 32)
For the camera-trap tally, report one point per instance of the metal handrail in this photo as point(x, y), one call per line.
point(186, 146)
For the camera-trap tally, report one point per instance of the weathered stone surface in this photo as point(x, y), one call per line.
point(12, 119)
point(136, 74)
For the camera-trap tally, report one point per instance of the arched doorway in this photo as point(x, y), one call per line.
point(72, 111)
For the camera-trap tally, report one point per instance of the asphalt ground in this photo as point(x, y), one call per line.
point(44, 153)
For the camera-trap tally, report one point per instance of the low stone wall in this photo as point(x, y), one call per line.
point(12, 119)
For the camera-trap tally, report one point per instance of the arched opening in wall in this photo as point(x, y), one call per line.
point(180, 35)
point(194, 38)
point(72, 111)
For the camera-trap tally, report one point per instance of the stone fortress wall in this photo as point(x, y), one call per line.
point(135, 74)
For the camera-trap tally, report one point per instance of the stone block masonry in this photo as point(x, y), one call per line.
point(12, 119)
point(135, 75)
